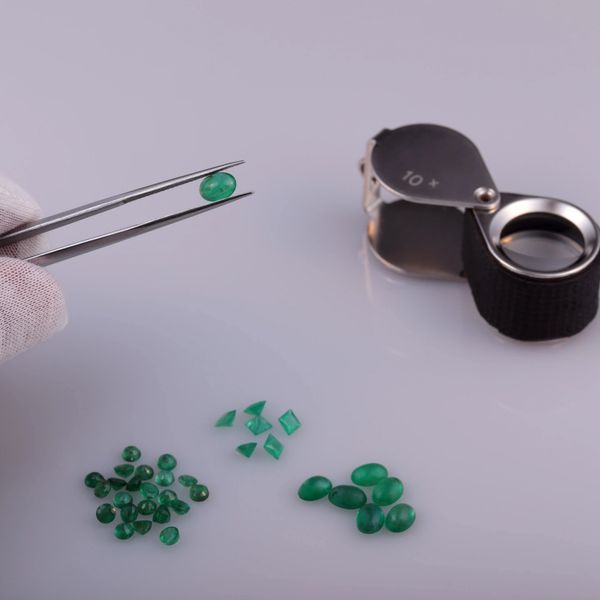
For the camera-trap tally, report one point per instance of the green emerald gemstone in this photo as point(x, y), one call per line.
point(226, 420)
point(92, 479)
point(169, 536)
point(217, 186)
point(246, 449)
point(187, 480)
point(314, 488)
point(142, 527)
point(148, 490)
point(273, 446)
point(131, 454)
point(123, 531)
point(387, 491)
point(102, 489)
point(347, 496)
point(124, 470)
point(129, 513)
point(164, 478)
point(122, 499)
point(258, 425)
point(180, 507)
point(166, 462)
point(369, 474)
point(144, 472)
point(370, 518)
point(116, 483)
point(289, 421)
point(162, 515)
point(106, 513)
point(400, 518)
point(147, 507)
point(256, 408)
point(134, 484)
point(166, 497)
point(198, 492)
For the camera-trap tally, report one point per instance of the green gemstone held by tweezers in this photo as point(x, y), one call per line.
point(226, 420)
point(217, 186)
point(256, 408)
point(166, 462)
point(273, 446)
point(258, 425)
point(187, 480)
point(246, 450)
point(289, 421)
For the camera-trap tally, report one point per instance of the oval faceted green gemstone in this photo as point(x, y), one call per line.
point(147, 507)
point(148, 490)
point(169, 536)
point(166, 462)
point(347, 496)
point(131, 454)
point(400, 518)
point(218, 186)
point(370, 518)
point(129, 513)
point(166, 497)
point(180, 507)
point(164, 478)
point(144, 472)
point(198, 492)
point(102, 489)
point(122, 499)
point(92, 479)
point(116, 483)
point(106, 513)
point(387, 491)
point(369, 474)
point(162, 515)
point(123, 531)
point(134, 484)
point(124, 470)
point(314, 488)
point(142, 527)
point(187, 480)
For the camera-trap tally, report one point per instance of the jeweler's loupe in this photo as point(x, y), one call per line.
point(531, 262)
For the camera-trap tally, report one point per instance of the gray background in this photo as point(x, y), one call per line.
point(277, 298)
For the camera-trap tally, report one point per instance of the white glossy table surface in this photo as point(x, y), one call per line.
point(276, 298)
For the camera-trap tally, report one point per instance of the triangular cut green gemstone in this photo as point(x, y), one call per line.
point(258, 425)
point(256, 408)
point(226, 420)
point(246, 449)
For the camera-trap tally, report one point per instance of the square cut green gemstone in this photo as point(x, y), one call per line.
point(258, 425)
point(226, 420)
point(289, 421)
point(246, 449)
point(273, 446)
point(256, 408)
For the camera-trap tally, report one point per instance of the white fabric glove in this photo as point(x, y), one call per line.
point(32, 305)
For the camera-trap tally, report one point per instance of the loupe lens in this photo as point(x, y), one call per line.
point(542, 242)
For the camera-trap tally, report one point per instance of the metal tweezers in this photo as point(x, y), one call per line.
point(87, 210)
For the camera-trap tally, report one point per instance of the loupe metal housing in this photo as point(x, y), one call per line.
point(532, 262)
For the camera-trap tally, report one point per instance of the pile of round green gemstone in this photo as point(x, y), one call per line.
point(370, 517)
point(142, 495)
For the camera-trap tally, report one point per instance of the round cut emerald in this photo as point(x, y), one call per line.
point(131, 454)
point(123, 531)
point(129, 513)
point(164, 478)
point(142, 527)
point(148, 490)
point(134, 484)
point(92, 479)
point(161, 515)
point(198, 492)
point(144, 472)
point(106, 513)
point(179, 507)
point(147, 507)
point(102, 489)
point(166, 462)
point(166, 497)
point(124, 470)
point(122, 499)
point(116, 483)
point(187, 480)
point(217, 186)
point(169, 536)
